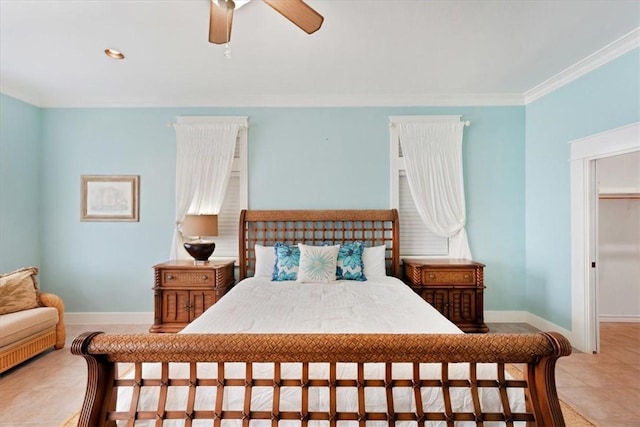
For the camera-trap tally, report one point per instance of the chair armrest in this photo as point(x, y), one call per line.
point(52, 300)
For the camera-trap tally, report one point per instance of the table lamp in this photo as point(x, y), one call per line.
point(199, 226)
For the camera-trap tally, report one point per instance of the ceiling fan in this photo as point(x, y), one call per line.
point(296, 11)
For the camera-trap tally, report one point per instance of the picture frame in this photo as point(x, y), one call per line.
point(109, 197)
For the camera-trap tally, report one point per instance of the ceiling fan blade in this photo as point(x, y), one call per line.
point(298, 12)
point(220, 24)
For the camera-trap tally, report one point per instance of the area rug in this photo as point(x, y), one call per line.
point(572, 418)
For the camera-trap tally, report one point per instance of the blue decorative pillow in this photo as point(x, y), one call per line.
point(350, 265)
point(287, 262)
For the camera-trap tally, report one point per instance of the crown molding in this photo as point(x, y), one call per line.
point(597, 59)
point(301, 100)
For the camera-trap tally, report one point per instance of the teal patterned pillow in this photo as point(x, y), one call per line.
point(287, 262)
point(350, 265)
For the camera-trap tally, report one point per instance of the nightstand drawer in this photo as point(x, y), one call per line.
point(187, 278)
point(445, 277)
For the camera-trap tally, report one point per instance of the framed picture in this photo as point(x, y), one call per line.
point(109, 198)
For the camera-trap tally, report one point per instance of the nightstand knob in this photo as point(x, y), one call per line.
point(432, 276)
point(205, 277)
point(170, 277)
point(466, 276)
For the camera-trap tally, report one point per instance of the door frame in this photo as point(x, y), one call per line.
point(584, 153)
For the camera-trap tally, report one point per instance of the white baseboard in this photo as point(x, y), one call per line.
point(546, 326)
point(619, 318)
point(145, 318)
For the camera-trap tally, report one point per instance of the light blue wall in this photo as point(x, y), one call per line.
point(298, 158)
point(604, 99)
point(20, 208)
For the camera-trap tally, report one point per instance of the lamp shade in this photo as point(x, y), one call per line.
point(200, 225)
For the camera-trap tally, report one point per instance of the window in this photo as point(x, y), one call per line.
point(235, 194)
point(416, 240)
point(235, 199)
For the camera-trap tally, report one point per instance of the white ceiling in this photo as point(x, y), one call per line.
point(368, 52)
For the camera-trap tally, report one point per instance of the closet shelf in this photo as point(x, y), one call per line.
point(619, 196)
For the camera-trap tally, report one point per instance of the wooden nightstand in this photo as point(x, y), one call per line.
point(183, 291)
point(454, 287)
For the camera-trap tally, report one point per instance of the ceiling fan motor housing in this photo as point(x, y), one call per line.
point(226, 4)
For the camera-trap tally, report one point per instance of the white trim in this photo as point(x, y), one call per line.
point(584, 151)
point(618, 318)
point(109, 318)
point(612, 142)
point(546, 326)
point(613, 50)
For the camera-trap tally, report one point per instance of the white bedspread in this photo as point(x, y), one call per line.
point(385, 305)
point(382, 306)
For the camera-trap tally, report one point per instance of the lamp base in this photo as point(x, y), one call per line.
point(200, 251)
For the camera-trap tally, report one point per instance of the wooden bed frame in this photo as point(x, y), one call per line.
point(372, 227)
point(104, 352)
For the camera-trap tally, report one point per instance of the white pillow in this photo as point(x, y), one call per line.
point(265, 260)
point(318, 263)
point(374, 262)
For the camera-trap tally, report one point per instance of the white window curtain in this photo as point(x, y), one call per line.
point(433, 162)
point(204, 159)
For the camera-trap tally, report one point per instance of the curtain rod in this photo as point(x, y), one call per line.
point(241, 121)
point(241, 126)
point(467, 123)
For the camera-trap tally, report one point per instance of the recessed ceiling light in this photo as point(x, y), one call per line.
point(114, 54)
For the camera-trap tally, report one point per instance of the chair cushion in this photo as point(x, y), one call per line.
point(25, 323)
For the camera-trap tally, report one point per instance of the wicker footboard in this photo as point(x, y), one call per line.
point(103, 352)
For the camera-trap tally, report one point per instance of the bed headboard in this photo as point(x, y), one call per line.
point(315, 227)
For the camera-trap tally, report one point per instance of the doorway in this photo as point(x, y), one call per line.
point(618, 242)
point(584, 199)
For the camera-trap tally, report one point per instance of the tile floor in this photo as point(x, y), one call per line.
point(604, 387)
